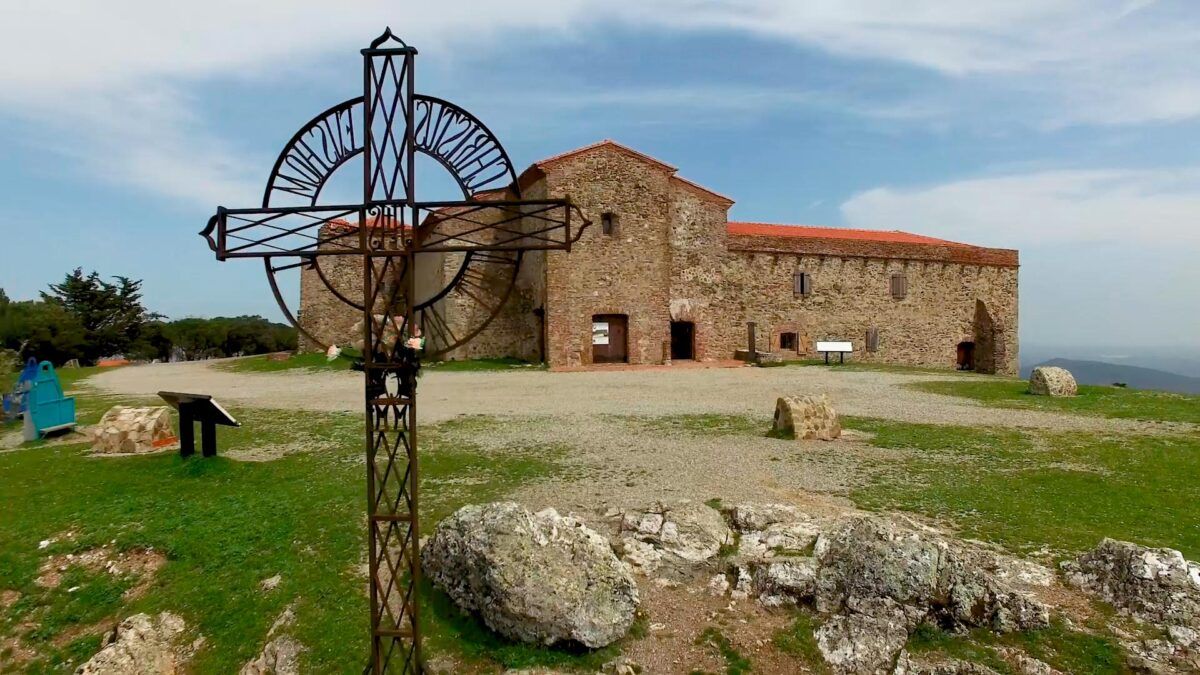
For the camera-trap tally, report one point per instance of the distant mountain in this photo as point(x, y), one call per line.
point(1099, 372)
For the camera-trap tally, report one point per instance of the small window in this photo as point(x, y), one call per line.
point(872, 339)
point(899, 286)
point(802, 283)
point(787, 342)
point(608, 223)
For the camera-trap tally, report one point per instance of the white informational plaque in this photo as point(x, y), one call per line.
point(835, 347)
point(599, 332)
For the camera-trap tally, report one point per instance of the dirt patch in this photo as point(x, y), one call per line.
point(8, 598)
point(677, 617)
point(140, 563)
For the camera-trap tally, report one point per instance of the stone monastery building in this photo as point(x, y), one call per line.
point(663, 275)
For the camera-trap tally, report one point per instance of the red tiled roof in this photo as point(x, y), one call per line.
point(819, 232)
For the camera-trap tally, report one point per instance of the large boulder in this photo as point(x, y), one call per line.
point(538, 578)
point(806, 417)
point(140, 645)
point(125, 430)
point(1052, 381)
point(869, 557)
point(1154, 584)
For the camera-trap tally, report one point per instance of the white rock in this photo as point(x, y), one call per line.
point(1052, 381)
point(140, 645)
point(539, 578)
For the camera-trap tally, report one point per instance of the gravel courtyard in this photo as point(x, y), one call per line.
point(620, 450)
point(738, 391)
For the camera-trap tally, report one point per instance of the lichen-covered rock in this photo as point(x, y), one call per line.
point(751, 516)
point(869, 557)
point(786, 581)
point(1052, 381)
point(807, 417)
point(865, 640)
point(787, 539)
point(684, 533)
point(1154, 584)
point(133, 430)
point(280, 656)
point(140, 645)
point(538, 578)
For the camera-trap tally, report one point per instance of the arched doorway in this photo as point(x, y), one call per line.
point(965, 356)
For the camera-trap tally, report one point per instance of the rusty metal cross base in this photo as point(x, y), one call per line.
point(478, 241)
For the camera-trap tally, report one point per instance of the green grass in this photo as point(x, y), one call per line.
point(798, 640)
point(226, 525)
point(481, 365)
point(1029, 489)
point(854, 364)
point(1103, 401)
point(735, 662)
point(1066, 650)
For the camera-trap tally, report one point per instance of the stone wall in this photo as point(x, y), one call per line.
point(627, 272)
point(852, 295)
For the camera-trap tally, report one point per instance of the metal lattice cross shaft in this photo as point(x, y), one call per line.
point(479, 239)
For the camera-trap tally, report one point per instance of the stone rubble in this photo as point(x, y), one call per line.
point(677, 536)
point(1052, 381)
point(806, 417)
point(1153, 585)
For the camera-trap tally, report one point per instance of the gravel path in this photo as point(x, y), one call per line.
point(626, 392)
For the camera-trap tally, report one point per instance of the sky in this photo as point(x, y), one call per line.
point(1068, 129)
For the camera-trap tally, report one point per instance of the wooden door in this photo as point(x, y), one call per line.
point(609, 338)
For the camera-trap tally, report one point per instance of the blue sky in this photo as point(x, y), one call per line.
point(1066, 128)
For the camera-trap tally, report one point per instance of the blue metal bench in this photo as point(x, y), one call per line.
point(47, 409)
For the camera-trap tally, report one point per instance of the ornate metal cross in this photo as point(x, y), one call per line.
point(446, 267)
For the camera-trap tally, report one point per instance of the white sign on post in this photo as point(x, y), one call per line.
point(599, 332)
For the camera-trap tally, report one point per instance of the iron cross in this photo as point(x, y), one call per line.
point(477, 244)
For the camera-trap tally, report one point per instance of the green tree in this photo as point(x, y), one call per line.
point(43, 330)
point(112, 314)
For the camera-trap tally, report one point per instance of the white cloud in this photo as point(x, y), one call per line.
point(73, 66)
point(1044, 208)
point(1107, 256)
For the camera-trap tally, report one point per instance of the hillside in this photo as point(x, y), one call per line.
point(1101, 373)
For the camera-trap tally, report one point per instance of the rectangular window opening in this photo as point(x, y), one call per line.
point(802, 284)
point(608, 223)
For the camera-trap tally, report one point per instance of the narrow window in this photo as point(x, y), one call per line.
point(608, 223)
point(899, 286)
point(787, 342)
point(802, 283)
point(872, 339)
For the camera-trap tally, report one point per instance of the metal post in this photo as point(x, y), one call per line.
point(208, 438)
point(187, 431)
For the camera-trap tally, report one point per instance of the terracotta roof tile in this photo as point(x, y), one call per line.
point(820, 232)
